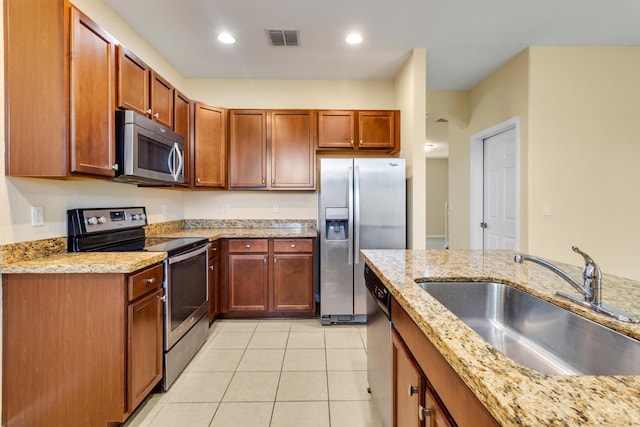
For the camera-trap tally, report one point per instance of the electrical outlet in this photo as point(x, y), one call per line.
point(225, 208)
point(276, 207)
point(37, 216)
point(164, 210)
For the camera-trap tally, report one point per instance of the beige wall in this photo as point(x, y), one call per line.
point(502, 96)
point(579, 133)
point(437, 190)
point(583, 155)
point(410, 90)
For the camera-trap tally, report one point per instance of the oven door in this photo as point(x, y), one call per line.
point(186, 288)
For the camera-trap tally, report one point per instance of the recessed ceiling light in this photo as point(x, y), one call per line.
point(226, 38)
point(354, 38)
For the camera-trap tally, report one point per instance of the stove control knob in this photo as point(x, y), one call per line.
point(134, 217)
point(93, 220)
point(102, 220)
point(141, 216)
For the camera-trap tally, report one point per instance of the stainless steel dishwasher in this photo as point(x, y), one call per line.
point(379, 353)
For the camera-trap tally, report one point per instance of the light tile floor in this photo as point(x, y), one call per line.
point(269, 373)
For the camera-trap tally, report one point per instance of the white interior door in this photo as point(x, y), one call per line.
point(499, 192)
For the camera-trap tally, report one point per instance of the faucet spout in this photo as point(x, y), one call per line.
point(590, 291)
point(585, 291)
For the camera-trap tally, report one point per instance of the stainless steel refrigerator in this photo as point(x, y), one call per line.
point(362, 205)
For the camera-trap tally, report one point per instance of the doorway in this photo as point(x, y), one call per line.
point(495, 187)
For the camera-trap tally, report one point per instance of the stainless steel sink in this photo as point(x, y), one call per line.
point(536, 333)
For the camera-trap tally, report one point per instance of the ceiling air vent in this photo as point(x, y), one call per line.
point(283, 37)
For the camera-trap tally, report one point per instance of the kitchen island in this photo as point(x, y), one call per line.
point(512, 394)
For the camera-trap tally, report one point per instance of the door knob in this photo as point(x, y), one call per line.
point(424, 413)
point(412, 390)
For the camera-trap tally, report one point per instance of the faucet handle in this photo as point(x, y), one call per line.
point(587, 259)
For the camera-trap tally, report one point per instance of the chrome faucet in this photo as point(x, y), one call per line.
point(590, 290)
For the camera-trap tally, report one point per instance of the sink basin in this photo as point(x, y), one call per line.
point(536, 333)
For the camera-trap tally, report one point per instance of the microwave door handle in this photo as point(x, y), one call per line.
point(175, 152)
point(180, 162)
point(171, 162)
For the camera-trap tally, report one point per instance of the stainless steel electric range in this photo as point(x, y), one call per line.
point(185, 274)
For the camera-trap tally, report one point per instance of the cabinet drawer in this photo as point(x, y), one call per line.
point(142, 282)
point(214, 250)
point(249, 245)
point(293, 245)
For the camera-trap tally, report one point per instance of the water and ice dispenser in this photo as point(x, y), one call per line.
point(337, 223)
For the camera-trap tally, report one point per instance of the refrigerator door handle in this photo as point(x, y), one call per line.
point(356, 208)
point(350, 255)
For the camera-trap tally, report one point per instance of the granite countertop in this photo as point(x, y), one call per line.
point(51, 256)
point(513, 394)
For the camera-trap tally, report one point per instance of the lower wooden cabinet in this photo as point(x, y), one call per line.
point(292, 275)
point(408, 385)
point(144, 366)
point(441, 398)
point(267, 278)
point(79, 349)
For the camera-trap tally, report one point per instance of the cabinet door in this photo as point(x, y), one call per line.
point(293, 152)
point(247, 149)
point(408, 386)
point(248, 282)
point(92, 74)
point(182, 125)
point(210, 148)
point(433, 413)
point(336, 129)
point(145, 346)
point(376, 129)
point(161, 100)
point(36, 92)
point(133, 82)
point(293, 282)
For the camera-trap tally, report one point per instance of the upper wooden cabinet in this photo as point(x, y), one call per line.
point(60, 91)
point(92, 83)
point(293, 154)
point(183, 125)
point(336, 129)
point(359, 130)
point(143, 90)
point(161, 100)
point(272, 149)
point(133, 82)
point(248, 149)
point(210, 146)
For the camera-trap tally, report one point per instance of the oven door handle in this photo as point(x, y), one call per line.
point(189, 254)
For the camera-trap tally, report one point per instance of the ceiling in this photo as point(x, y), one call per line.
point(465, 40)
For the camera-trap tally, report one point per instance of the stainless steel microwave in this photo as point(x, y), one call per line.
point(147, 153)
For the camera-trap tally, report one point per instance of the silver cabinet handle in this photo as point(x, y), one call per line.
point(360, 143)
point(247, 246)
point(412, 390)
point(156, 115)
point(275, 260)
point(293, 245)
point(149, 111)
point(424, 413)
point(211, 267)
point(151, 280)
point(163, 298)
point(115, 167)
